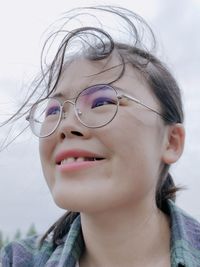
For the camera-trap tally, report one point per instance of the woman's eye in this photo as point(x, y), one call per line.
point(102, 102)
point(52, 111)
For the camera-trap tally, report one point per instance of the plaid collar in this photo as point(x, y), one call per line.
point(185, 245)
point(185, 238)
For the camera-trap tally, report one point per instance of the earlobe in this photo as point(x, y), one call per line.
point(174, 143)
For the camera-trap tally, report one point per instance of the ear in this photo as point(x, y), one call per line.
point(174, 143)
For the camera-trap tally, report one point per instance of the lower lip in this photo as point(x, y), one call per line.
point(77, 166)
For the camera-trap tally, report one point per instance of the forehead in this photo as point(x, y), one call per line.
point(81, 73)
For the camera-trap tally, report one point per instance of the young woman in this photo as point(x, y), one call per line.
point(109, 126)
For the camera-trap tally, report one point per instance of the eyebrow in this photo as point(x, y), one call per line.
point(61, 96)
point(58, 95)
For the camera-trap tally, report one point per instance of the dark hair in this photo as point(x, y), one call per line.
point(97, 44)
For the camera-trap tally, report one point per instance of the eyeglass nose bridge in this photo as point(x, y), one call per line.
point(64, 114)
point(77, 112)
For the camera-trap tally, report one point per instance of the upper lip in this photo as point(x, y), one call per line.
point(75, 153)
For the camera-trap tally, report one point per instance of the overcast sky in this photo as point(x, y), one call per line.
point(24, 197)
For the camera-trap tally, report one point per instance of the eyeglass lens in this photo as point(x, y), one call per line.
point(94, 107)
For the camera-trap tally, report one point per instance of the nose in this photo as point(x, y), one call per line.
point(70, 126)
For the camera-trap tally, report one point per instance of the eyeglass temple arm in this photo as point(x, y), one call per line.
point(140, 103)
point(27, 118)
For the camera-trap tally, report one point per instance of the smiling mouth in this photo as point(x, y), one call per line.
point(78, 160)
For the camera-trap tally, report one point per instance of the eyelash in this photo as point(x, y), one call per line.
point(102, 100)
point(49, 111)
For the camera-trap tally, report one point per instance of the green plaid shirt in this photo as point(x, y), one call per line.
point(185, 245)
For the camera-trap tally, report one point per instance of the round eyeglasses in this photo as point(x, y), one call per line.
point(94, 107)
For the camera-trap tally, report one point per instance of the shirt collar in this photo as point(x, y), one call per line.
point(185, 240)
point(73, 245)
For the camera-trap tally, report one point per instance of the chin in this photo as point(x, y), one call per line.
point(66, 205)
point(78, 204)
point(68, 201)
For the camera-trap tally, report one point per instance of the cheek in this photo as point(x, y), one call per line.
point(46, 151)
point(46, 148)
point(124, 137)
point(135, 148)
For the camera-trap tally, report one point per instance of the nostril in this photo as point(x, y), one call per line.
point(76, 133)
point(62, 136)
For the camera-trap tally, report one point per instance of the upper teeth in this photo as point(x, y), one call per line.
point(72, 159)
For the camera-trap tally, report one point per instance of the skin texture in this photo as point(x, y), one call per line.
point(116, 197)
point(128, 143)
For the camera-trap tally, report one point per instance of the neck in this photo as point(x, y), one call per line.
point(137, 236)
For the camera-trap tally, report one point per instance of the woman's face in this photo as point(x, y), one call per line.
point(130, 145)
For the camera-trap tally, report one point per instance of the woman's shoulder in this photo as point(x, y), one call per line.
point(31, 253)
point(26, 252)
point(185, 236)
